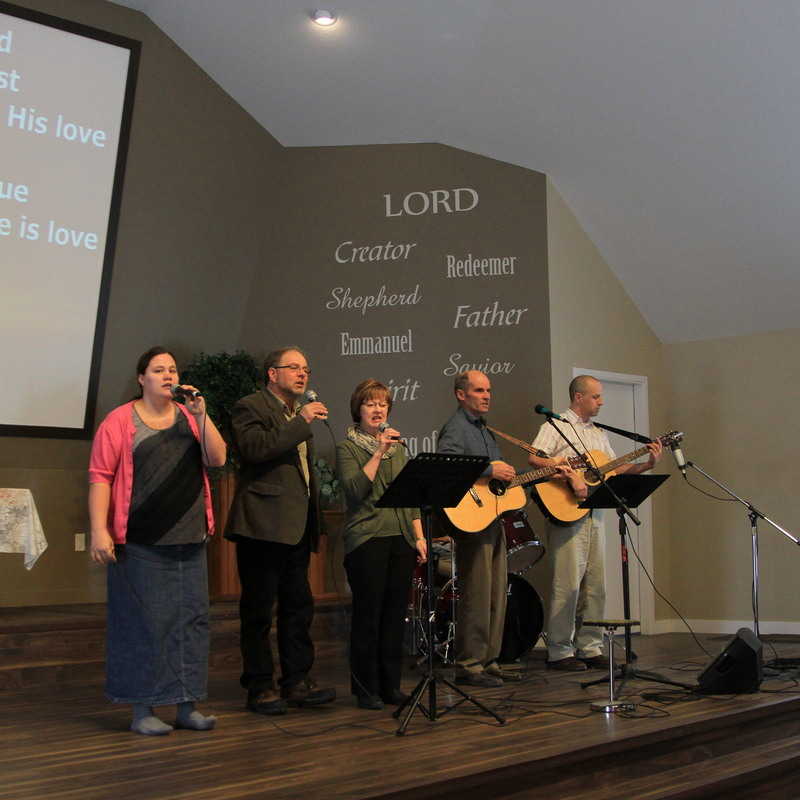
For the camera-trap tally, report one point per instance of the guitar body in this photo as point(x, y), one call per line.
point(489, 498)
point(484, 503)
point(557, 500)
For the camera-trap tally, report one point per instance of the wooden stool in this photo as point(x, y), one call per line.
point(610, 626)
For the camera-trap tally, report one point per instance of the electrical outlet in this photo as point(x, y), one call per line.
point(80, 542)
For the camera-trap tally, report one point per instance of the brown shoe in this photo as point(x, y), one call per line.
point(596, 662)
point(475, 678)
point(307, 693)
point(493, 668)
point(570, 664)
point(266, 702)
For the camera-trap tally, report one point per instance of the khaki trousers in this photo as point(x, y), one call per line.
point(577, 554)
point(482, 567)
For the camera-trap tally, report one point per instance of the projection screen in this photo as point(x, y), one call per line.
point(66, 99)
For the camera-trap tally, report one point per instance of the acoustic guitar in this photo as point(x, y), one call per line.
point(557, 500)
point(489, 498)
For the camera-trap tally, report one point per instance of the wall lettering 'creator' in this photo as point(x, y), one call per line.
point(347, 253)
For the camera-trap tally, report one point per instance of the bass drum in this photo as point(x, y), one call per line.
point(524, 619)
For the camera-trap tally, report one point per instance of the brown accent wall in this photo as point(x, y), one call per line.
point(336, 195)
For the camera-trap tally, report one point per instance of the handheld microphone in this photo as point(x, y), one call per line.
point(310, 396)
point(179, 391)
point(385, 426)
point(680, 460)
point(540, 409)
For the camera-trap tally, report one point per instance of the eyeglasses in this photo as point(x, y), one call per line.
point(294, 368)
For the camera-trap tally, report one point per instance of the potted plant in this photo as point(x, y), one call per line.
point(223, 378)
point(329, 491)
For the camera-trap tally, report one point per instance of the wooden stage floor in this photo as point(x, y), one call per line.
point(64, 740)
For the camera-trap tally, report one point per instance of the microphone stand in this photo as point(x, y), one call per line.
point(753, 515)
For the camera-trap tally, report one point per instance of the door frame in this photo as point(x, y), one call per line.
point(641, 405)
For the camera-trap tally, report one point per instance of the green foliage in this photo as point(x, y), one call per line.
point(223, 378)
point(329, 489)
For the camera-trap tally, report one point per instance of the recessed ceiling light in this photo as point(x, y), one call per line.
point(324, 17)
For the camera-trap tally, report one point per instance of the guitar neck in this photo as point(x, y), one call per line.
point(618, 462)
point(526, 477)
point(543, 472)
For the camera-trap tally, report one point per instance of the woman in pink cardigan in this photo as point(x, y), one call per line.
point(150, 513)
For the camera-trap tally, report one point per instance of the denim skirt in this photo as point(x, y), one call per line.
point(157, 635)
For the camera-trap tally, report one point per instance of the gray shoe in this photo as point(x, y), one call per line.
point(482, 679)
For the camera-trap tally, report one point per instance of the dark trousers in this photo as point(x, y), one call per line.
point(379, 572)
point(269, 571)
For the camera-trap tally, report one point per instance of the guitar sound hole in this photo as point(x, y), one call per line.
point(497, 487)
point(591, 476)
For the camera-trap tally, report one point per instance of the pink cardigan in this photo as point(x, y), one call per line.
point(111, 462)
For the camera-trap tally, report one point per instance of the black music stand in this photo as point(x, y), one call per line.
point(632, 490)
point(433, 480)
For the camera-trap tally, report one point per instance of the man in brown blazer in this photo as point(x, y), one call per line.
point(274, 521)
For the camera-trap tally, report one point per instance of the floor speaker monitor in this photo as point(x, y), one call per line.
point(737, 669)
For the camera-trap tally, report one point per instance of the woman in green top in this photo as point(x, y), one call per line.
point(381, 546)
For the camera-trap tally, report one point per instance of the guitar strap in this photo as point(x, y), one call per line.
point(513, 440)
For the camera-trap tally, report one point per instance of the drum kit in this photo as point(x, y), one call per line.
point(524, 613)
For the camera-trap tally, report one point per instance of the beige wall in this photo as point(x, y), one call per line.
point(595, 324)
point(736, 400)
point(195, 220)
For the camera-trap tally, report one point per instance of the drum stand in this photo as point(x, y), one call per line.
point(443, 642)
point(426, 481)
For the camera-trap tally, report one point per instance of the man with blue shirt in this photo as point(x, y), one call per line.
point(481, 557)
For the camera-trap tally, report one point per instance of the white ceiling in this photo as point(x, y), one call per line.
point(669, 126)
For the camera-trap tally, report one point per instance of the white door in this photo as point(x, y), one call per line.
point(625, 406)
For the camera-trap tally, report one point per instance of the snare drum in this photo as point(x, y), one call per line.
point(522, 544)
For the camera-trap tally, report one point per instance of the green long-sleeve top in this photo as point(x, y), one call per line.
point(362, 519)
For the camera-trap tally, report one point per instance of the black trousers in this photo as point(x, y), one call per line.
point(269, 571)
point(379, 572)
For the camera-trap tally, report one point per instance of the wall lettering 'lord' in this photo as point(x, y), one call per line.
point(435, 201)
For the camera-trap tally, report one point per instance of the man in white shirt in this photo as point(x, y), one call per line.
point(577, 550)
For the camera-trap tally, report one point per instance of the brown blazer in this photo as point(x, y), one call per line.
point(271, 501)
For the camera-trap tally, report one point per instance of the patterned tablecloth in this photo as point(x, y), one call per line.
point(20, 529)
